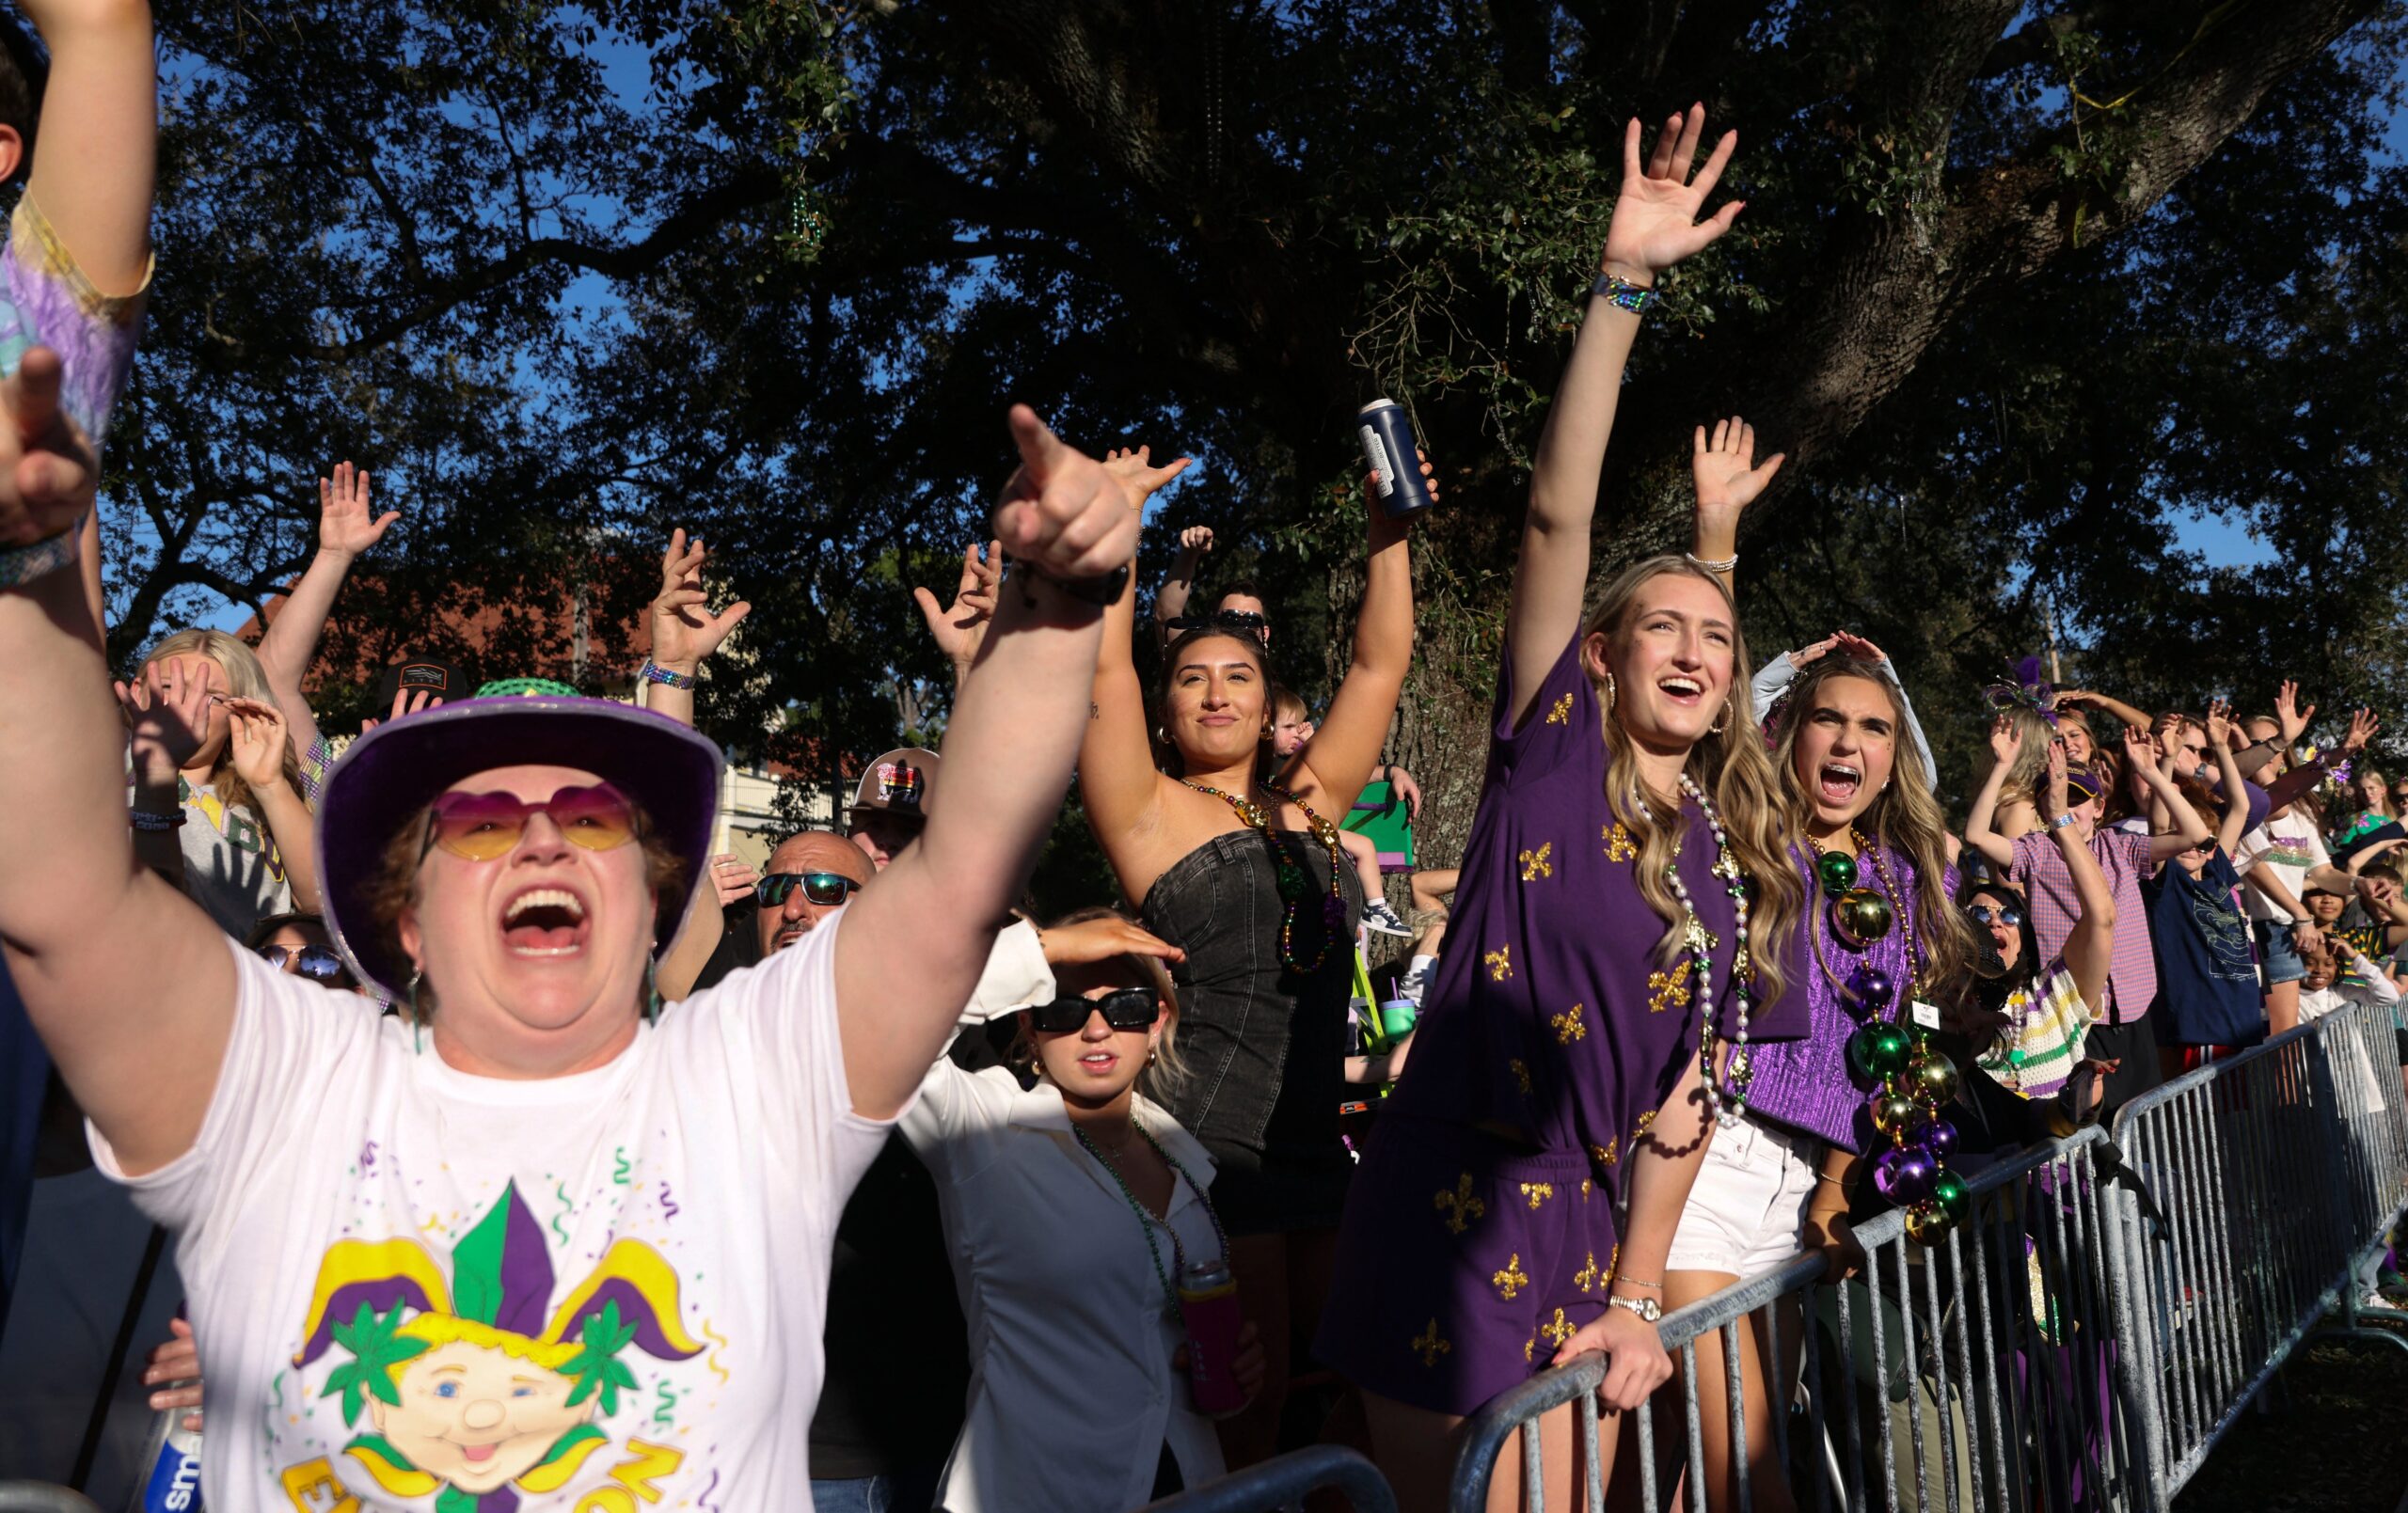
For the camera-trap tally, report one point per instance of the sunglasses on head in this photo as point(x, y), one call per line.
point(826, 888)
point(317, 963)
point(1123, 1008)
point(1222, 620)
point(481, 827)
point(2007, 914)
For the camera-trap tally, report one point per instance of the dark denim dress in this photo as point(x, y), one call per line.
point(1265, 1047)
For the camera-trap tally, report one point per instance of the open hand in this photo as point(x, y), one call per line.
point(1656, 216)
point(959, 627)
point(178, 1359)
point(2007, 739)
point(1636, 1363)
point(2140, 750)
point(168, 714)
point(732, 877)
point(2218, 724)
point(1723, 467)
point(2288, 714)
point(1092, 940)
point(1858, 647)
point(2362, 728)
point(1061, 512)
point(684, 631)
point(257, 731)
point(49, 472)
point(2057, 804)
point(346, 526)
point(405, 701)
point(1807, 655)
point(1132, 466)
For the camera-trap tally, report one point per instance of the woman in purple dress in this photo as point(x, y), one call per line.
point(1628, 848)
point(1782, 1176)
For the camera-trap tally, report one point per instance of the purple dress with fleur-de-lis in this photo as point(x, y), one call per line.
point(1481, 1230)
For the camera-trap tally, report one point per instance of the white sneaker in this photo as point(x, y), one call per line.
point(1378, 916)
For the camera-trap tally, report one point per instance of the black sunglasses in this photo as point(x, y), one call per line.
point(317, 963)
point(2007, 914)
point(1222, 620)
point(1123, 1008)
point(822, 888)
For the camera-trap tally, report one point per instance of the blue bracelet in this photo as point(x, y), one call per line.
point(1622, 294)
point(653, 672)
point(21, 565)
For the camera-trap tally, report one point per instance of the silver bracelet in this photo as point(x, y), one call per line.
point(1724, 565)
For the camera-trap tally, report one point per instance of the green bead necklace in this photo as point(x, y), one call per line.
point(1146, 1221)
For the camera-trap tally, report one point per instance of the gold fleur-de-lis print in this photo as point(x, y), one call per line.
point(1619, 845)
point(1557, 1330)
point(1607, 1154)
point(1585, 1185)
point(1668, 990)
point(1513, 1279)
point(1530, 1348)
point(1535, 864)
point(1640, 1131)
point(1561, 712)
point(1429, 1346)
point(1459, 1207)
point(1521, 1071)
point(1614, 1264)
point(1568, 1026)
point(1585, 1278)
point(1501, 963)
point(1537, 1193)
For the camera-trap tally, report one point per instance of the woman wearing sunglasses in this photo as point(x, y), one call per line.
point(298, 943)
point(1249, 877)
point(558, 1249)
point(1079, 1383)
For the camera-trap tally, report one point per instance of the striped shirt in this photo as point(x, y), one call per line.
point(2039, 868)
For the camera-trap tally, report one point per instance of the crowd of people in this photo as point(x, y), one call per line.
point(522, 1149)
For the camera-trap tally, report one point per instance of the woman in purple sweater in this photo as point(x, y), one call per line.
point(1781, 1177)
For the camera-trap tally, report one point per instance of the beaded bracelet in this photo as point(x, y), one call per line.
point(1622, 294)
point(1718, 565)
point(653, 672)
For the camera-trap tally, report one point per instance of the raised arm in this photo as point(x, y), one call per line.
point(2116, 707)
point(960, 626)
point(2006, 744)
point(262, 760)
point(346, 527)
point(1655, 226)
point(1118, 785)
point(1346, 746)
point(912, 948)
point(111, 1016)
point(1170, 600)
point(684, 631)
point(1857, 646)
point(1723, 471)
point(96, 150)
point(2090, 951)
point(165, 715)
point(2189, 827)
point(2236, 791)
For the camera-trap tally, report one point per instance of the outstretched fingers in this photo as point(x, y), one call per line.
point(1711, 174)
point(1685, 151)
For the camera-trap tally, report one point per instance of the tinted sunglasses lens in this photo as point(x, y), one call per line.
point(598, 818)
point(1060, 1017)
point(827, 888)
point(772, 890)
point(275, 956)
point(1130, 1008)
point(320, 965)
point(478, 826)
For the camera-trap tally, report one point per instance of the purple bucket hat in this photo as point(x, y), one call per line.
point(388, 774)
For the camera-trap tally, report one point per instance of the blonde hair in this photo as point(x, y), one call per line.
point(245, 679)
point(1731, 767)
point(1905, 816)
point(1166, 1071)
point(2028, 779)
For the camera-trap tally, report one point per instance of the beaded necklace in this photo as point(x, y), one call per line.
point(1294, 887)
point(1146, 1221)
point(1726, 1106)
point(1855, 923)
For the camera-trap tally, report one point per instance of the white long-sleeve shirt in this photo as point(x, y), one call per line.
point(1072, 1394)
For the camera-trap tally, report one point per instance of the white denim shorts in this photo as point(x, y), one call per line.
point(1744, 1214)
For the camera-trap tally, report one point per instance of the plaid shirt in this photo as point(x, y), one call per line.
point(2040, 869)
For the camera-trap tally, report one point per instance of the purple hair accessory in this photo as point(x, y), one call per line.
point(2028, 690)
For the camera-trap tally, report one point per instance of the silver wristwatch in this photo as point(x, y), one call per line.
point(1646, 1308)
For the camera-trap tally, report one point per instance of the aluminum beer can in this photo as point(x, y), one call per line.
point(1388, 450)
point(1207, 1305)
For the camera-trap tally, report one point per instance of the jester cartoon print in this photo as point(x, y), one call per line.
point(471, 1383)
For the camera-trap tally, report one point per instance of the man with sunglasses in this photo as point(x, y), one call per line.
point(810, 877)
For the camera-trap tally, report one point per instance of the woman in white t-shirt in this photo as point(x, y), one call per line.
point(1078, 1382)
point(529, 1245)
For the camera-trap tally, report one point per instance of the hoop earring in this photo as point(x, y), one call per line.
point(417, 1021)
point(1722, 721)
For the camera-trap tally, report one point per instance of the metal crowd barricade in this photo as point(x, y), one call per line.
point(1284, 1483)
point(2080, 1343)
point(2266, 1181)
point(1967, 1377)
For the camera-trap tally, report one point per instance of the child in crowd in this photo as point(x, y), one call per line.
point(1291, 726)
point(2208, 1000)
